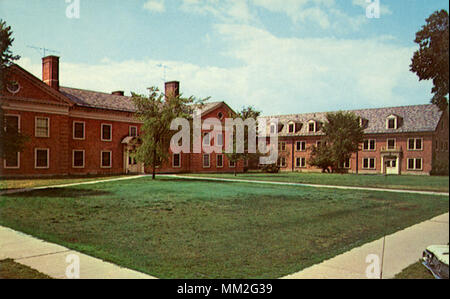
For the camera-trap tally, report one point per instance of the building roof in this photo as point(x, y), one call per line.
point(415, 118)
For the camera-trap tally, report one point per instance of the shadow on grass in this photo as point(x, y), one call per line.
point(60, 193)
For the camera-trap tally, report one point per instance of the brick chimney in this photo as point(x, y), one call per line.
point(172, 89)
point(50, 71)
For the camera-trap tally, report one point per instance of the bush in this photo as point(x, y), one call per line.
point(440, 168)
point(271, 168)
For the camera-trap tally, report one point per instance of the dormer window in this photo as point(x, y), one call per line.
point(291, 128)
point(392, 122)
point(362, 122)
point(311, 126)
point(273, 128)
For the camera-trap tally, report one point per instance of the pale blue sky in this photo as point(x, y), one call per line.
point(281, 56)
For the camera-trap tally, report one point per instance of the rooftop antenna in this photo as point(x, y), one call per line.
point(43, 51)
point(165, 67)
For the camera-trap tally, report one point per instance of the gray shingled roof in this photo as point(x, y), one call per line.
point(95, 99)
point(416, 118)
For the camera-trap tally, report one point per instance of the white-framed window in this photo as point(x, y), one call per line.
point(300, 146)
point(219, 161)
point(300, 162)
point(282, 146)
point(391, 144)
point(415, 164)
point(346, 164)
point(106, 132)
point(282, 162)
point(392, 122)
point(206, 139)
point(219, 139)
point(311, 126)
point(206, 160)
point(79, 130)
point(12, 162)
point(133, 131)
point(291, 127)
point(42, 127)
point(370, 145)
point(176, 160)
point(105, 159)
point(369, 163)
point(415, 144)
point(78, 158)
point(41, 158)
point(12, 122)
point(231, 164)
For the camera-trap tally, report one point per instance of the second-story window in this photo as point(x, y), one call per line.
point(106, 132)
point(42, 127)
point(78, 130)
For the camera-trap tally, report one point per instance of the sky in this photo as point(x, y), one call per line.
point(279, 56)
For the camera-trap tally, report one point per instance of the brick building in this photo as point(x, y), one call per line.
point(397, 140)
point(75, 131)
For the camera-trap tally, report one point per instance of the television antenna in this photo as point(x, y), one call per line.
point(164, 67)
point(43, 51)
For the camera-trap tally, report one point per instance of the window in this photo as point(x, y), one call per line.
point(133, 131)
point(219, 162)
point(12, 123)
point(320, 143)
point(220, 115)
point(301, 146)
point(291, 128)
point(106, 159)
point(132, 160)
point(369, 163)
point(390, 144)
point(445, 146)
point(78, 130)
point(282, 162)
point(206, 139)
point(346, 164)
point(206, 161)
point(272, 129)
point(106, 132)
point(78, 159)
point(176, 160)
point(312, 126)
point(415, 164)
point(12, 162)
point(369, 145)
point(232, 164)
point(300, 162)
point(282, 146)
point(41, 158)
point(415, 144)
point(391, 122)
point(42, 127)
point(219, 139)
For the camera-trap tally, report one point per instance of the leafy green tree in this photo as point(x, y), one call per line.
point(11, 141)
point(157, 111)
point(343, 134)
point(247, 113)
point(431, 61)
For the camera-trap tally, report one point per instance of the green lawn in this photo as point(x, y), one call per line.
point(415, 271)
point(22, 183)
point(12, 270)
point(174, 228)
point(404, 182)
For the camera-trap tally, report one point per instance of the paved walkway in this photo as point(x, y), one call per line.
point(402, 249)
point(50, 259)
point(308, 185)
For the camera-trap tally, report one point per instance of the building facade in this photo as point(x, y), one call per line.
point(77, 132)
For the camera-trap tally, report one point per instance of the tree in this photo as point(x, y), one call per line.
point(343, 134)
point(247, 113)
point(157, 111)
point(431, 61)
point(11, 140)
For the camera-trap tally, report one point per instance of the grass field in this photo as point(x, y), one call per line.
point(12, 270)
point(22, 183)
point(415, 271)
point(404, 182)
point(174, 228)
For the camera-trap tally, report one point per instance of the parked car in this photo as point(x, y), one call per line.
point(435, 258)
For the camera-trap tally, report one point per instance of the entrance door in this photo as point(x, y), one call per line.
point(391, 166)
point(131, 165)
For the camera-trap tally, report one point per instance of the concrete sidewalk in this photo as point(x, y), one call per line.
point(402, 249)
point(50, 259)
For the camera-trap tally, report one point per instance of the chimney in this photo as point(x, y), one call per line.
point(50, 71)
point(172, 89)
point(118, 93)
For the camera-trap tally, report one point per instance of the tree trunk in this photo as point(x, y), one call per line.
point(154, 165)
